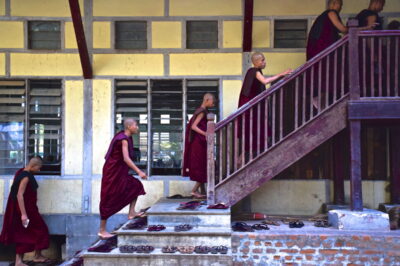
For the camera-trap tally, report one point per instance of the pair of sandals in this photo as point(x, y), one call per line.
point(183, 228)
point(242, 227)
point(190, 205)
point(156, 228)
point(296, 224)
point(321, 223)
point(271, 222)
point(105, 245)
point(212, 250)
point(186, 250)
point(169, 249)
point(259, 227)
point(136, 224)
point(220, 206)
point(138, 249)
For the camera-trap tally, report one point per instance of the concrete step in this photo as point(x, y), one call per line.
point(156, 258)
point(165, 212)
point(209, 236)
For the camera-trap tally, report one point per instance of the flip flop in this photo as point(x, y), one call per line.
point(242, 227)
point(127, 249)
point(183, 228)
point(260, 227)
point(220, 205)
point(271, 222)
point(176, 196)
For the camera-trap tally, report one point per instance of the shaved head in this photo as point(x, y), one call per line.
point(129, 122)
point(256, 56)
point(37, 160)
point(208, 96)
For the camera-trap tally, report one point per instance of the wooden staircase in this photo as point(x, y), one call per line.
point(303, 111)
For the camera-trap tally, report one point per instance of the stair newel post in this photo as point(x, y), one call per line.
point(355, 125)
point(210, 136)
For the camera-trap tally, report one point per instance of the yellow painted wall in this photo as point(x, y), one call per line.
point(205, 7)
point(206, 64)
point(261, 33)
point(70, 39)
point(42, 8)
point(128, 8)
point(101, 34)
point(73, 127)
point(232, 34)
point(278, 62)
point(45, 64)
point(128, 64)
point(1, 195)
point(230, 95)
point(373, 193)
point(2, 64)
point(60, 196)
point(392, 6)
point(288, 7)
point(101, 122)
point(154, 191)
point(2, 7)
point(166, 34)
point(16, 38)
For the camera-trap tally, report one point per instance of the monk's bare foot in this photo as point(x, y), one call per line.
point(40, 259)
point(135, 215)
point(197, 195)
point(104, 235)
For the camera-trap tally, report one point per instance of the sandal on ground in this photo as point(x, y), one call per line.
point(260, 227)
point(220, 205)
point(201, 249)
point(127, 249)
point(222, 249)
point(296, 224)
point(242, 227)
point(190, 205)
point(271, 222)
point(156, 228)
point(183, 228)
point(176, 196)
point(321, 223)
point(169, 249)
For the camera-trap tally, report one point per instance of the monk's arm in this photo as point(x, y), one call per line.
point(371, 23)
point(266, 81)
point(336, 22)
point(129, 161)
point(196, 122)
point(20, 198)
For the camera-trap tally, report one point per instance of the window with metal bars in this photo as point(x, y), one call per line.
point(130, 34)
point(44, 35)
point(162, 108)
point(202, 34)
point(290, 33)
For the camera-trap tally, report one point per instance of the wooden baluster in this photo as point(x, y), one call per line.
point(342, 65)
point(228, 149)
point(335, 76)
point(266, 120)
point(296, 104)
point(243, 156)
point(251, 133)
point(388, 85)
point(380, 66)
point(364, 66)
point(396, 66)
point(312, 93)
point(281, 114)
point(304, 98)
point(221, 151)
point(273, 117)
point(319, 84)
point(258, 106)
point(372, 72)
point(210, 137)
point(236, 145)
point(327, 78)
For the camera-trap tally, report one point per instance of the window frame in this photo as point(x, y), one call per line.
point(273, 39)
point(218, 33)
point(114, 35)
point(61, 32)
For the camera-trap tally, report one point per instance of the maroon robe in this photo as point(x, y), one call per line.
point(195, 153)
point(251, 88)
point(118, 187)
point(322, 34)
point(36, 235)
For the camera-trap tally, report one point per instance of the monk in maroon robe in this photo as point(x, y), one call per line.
point(195, 152)
point(23, 225)
point(253, 84)
point(118, 187)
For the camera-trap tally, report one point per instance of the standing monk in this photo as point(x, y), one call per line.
point(118, 187)
point(23, 225)
point(253, 84)
point(195, 153)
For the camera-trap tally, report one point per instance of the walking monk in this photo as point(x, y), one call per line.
point(23, 225)
point(195, 153)
point(118, 187)
point(253, 84)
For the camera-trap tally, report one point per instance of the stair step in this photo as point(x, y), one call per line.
point(165, 212)
point(197, 236)
point(156, 258)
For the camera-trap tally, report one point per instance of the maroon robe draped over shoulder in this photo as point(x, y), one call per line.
point(36, 235)
point(195, 152)
point(118, 187)
point(251, 88)
point(322, 34)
